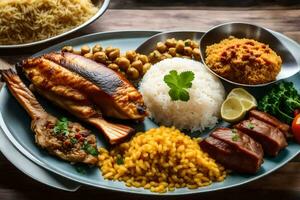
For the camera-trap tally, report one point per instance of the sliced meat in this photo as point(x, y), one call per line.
point(234, 149)
point(270, 137)
point(265, 117)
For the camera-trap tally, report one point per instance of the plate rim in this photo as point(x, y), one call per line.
point(141, 192)
point(98, 14)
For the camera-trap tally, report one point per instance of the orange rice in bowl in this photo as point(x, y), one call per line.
point(243, 61)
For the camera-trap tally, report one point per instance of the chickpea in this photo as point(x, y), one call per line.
point(146, 67)
point(178, 55)
point(132, 73)
point(85, 49)
point(113, 66)
point(187, 57)
point(196, 53)
point(187, 42)
point(108, 62)
point(123, 63)
point(194, 44)
point(137, 65)
point(171, 42)
point(172, 51)
point(156, 54)
point(67, 49)
point(97, 48)
point(114, 54)
point(167, 55)
point(89, 55)
point(143, 58)
point(100, 57)
point(131, 55)
point(161, 47)
point(179, 46)
point(188, 51)
point(109, 49)
point(77, 52)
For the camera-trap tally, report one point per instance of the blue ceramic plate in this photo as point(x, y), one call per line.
point(16, 124)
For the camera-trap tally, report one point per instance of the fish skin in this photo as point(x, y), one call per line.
point(107, 89)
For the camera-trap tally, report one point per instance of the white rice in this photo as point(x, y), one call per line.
point(206, 96)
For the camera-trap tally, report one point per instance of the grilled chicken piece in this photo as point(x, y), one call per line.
point(270, 137)
point(234, 149)
point(86, 89)
point(269, 119)
point(77, 145)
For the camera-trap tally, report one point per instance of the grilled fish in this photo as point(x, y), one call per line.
point(87, 89)
point(76, 144)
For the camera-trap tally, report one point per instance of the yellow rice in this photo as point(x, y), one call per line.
point(160, 159)
point(24, 21)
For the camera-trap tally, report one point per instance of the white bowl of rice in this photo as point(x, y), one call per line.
point(201, 111)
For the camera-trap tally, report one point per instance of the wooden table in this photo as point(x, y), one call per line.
point(161, 15)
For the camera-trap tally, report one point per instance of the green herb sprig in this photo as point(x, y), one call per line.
point(178, 84)
point(250, 125)
point(61, 127)
point(235, 137)
point(89, 149)
point(281, 101)
point(119, 160)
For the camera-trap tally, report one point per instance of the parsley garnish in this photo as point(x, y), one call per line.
point(178, 84)
point(89, 149)
point(80, 170)
point(235, 137)
point(61, 127)
point(250, 125)
point(74, 140)
point(119, 160)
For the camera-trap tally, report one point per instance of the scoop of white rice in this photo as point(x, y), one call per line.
point(206, 96)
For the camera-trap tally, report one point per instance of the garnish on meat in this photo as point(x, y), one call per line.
point(88, 90)
point(234, 149)
point(65, 139)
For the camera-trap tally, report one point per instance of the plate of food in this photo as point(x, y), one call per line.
point(96, 111)
point(28, 23)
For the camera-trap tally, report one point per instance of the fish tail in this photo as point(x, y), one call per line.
point(24, 96)
point(114, 132)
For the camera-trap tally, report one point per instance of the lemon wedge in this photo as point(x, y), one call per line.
point(242, 94)
point(232, 109)
point(247, 105)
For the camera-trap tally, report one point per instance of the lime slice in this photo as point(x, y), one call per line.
point(232, 110)
point(242, 94)
point(247, 105)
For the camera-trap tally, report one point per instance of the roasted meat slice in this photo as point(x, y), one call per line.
point(269, 119)
point(86, 89)
point(67, 140)
point(234, 149)
point(270, 137)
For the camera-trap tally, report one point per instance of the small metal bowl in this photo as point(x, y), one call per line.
point(289, 65)
point(149, 45)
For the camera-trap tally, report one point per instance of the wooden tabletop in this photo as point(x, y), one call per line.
point(279, 15)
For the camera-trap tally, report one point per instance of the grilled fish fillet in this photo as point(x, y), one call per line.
point(43, 125)
point(86, 89)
